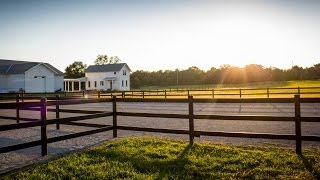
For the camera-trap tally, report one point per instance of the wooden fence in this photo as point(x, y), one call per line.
point(180, 93)
point(43, 104)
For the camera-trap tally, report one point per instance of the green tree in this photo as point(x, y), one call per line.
point(104, 59)
point(75, 70)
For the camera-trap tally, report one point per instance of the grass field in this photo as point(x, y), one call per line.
point(151, 158)
point(271, 84)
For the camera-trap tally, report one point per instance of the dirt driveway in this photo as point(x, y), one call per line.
point(25, 156)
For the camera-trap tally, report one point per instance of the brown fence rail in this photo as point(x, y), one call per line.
point(43, 105)
point(173, 93)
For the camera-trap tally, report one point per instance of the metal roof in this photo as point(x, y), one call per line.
point(106, 67)
point(20, 67)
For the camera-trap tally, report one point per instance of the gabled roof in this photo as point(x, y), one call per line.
point(106, 67)
point(20, 67)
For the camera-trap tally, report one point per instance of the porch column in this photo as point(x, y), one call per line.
point(72, 82)
point(79, 85)
point(65, 86)
point(68, 86)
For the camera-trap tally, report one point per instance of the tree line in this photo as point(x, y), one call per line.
point(225, 74)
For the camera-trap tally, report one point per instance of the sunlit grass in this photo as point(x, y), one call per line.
point(151, 158)
point(250, 90)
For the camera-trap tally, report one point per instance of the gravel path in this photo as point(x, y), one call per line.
point(30, 155)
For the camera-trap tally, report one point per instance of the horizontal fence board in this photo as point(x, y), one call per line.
point(245, 100)
point(152, 100)
point(78, 118)
point(247, 135)
point(75, 135)
point(245, 118)
point(20, 118)
point(180, 116)
point(310, 119)
point(77, 101)
point(19, 126)
point(172, 131)
point(78, 111)
point(20, 146)
point(310, 138)
point(86, 124)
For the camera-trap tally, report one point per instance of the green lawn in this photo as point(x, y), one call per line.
point(151, 158)
point(271, 84)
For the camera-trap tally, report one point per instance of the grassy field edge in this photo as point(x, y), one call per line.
point(159, 158)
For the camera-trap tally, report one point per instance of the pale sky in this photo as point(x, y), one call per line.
point(164, 34)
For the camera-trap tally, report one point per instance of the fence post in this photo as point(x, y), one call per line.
point(191, 120)
point(297, 113)
point(299, 90)
point(65, 94)
point(114, 110)
point(240, 93)
point(123, 95)
point(21, 96)
point(188, 93)
point(165, 94)
point(18, 108)
point(98, 94)
point(268, 95)
point(82, 93)
point(143, 94)
point(57, 111)
point(43, 114)
point(212, 93)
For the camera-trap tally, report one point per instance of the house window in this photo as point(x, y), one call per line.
point(122, 83)
point(101, 83)
point(124, 72)
point(114, 72)
point(88, 83)
point(126, 83)
point(95, 83)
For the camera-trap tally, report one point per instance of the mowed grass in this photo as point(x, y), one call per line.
point(248, 90)
point(269, 84)
point(153, 158)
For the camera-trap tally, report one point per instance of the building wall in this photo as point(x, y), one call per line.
point(39, 84)
point(15, 82)
point(117, 84)
point(97, 77)
point(58, 83)
point(3, 84)
point(125, 78)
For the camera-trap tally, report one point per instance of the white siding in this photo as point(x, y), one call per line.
point(100, 76)
point(124, 78)
point(39, 84)
point(3, 84)
point(58, 82)
point(15, 82)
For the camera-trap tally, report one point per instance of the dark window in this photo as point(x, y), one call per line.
point(124, 72)
point(126, 83)
point(95, 83)
point(114, 72)
point(88, 83)
point(122, 83)
point(101, 83)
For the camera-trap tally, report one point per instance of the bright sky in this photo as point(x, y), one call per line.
point(166, 34)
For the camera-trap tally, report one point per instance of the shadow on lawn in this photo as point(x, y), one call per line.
point(169, 168)
point(309, 166)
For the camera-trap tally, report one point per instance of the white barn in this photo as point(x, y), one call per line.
point(108, 77)
point(29, 77)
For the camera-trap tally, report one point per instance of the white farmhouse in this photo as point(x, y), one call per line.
point(108, 76)
point(29, 77)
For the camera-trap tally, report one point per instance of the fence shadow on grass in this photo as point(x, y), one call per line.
point(309, 166)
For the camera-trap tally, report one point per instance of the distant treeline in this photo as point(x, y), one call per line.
point(226, 74)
